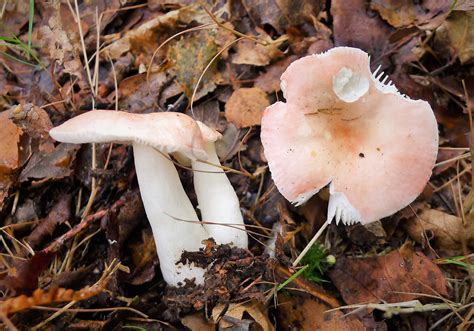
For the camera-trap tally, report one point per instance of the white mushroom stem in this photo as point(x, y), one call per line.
point(218, 201)
point(174, 222)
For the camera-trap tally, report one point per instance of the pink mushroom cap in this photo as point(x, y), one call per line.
point(341, 125)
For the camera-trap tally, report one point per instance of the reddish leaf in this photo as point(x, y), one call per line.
point(378, 278)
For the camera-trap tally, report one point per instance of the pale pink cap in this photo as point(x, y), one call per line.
point(168, 132)
point(343, 126)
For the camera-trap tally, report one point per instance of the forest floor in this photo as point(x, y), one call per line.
point(76, 248)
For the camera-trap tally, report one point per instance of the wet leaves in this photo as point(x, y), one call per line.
point(395, 277)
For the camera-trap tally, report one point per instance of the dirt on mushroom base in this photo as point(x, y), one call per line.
point(230, 278)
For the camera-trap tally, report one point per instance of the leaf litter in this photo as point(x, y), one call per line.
point(149, 57)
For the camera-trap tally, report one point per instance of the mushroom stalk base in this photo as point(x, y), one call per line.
point(173, 220)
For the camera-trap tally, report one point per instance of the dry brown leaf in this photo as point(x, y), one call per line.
point(9, 153)
point(457, 35)
point(282, 13)
point(245, 107)
point(138, 95)
point(298, 313)
point(9, 138)
point(237, 310)
point(406, 13)
point(229, 144)
point(269, 81)
point(446, 231)
point(378, 278)
point(354, 26)
point(63, 47)
point(144, 37)
point(52, 295)
point(52, 165)
point(197, 322)
point(250, 52)
point(144, 259)
point(59, 214)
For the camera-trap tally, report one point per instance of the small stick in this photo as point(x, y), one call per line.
point(310, 244)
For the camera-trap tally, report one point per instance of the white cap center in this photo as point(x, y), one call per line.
point(349, 86)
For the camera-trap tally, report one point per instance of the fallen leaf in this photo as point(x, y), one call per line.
point(191, 55)
point(197, 322)
point(229, 144)
point(245, 107)
point(298, 313)
point(354, 26)
point(23, 276)
point(9, 139)
point(53, 165)
point(269, 81)
point(138, 95)
point(143, 38)
point(63, 47)
point(59, 214)
point(250, 52)
point(282, 13)
point(426, 15)
point(144, 259)
point(456, 35)
point(235, 313)
point(444, 230)
point(382, 278)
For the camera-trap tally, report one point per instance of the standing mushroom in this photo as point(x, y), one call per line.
point(342, 125)
point(217, 199)
point(172, 217)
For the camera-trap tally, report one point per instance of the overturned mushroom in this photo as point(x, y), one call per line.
point(172, 217)
point(342, 125)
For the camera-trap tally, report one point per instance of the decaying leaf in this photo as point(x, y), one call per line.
point(378, 278)
point(269, 81)
point(282, 13)
point(231, 315)
point(250, 52)
point(405, 13)
point(138, 95)
point(23, 275)
point(229, 144)
point(53, 295)
point(144, 37)
point(456, 35)
point(191, 55)
point(59, 214)
point(353, 26)
point(53, 165)
point(9, 139)
point(245, 107)
point(9, 156)
point(197, 322)
point(144, 259)
point(446, 231)
point(63, 46)
point(298, 313)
